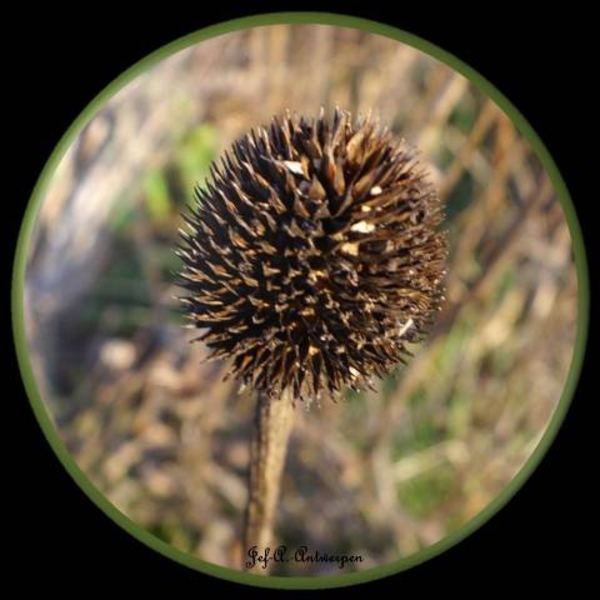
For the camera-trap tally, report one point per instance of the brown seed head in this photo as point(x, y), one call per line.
point(313, 255)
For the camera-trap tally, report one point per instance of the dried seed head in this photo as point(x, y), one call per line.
point(313, 256)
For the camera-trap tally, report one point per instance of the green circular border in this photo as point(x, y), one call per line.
point(45, 420)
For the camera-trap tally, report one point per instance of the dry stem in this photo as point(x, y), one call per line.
point(272, 428)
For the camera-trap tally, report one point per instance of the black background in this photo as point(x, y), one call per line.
point(542, 62)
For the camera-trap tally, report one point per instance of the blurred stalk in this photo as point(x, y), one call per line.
point(273, 424)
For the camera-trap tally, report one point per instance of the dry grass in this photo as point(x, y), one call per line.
point(380, 474)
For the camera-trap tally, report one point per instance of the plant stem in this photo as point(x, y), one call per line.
point(273, 424)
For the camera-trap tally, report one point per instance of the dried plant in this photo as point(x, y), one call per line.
point(312, 258)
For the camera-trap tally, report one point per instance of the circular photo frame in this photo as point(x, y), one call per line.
point(355, 223)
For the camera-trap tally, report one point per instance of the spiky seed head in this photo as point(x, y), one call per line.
point(312, 256)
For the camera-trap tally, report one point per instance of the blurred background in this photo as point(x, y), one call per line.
point(382, 474)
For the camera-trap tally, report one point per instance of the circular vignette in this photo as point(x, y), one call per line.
point(313, 582)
